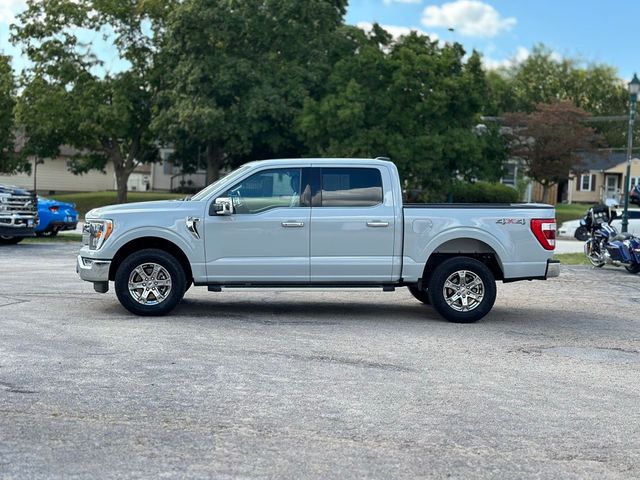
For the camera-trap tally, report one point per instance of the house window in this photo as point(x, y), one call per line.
point(587, 182)
point(633, 181)
point(511, 174)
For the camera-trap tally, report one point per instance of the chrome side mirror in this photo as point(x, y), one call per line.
point(222, 206)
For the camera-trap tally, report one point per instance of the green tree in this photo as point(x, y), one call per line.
point(545, 78)
point(9, 161)
point(236, 73)
point(550, 141)
point(412, 100)
point(105, 117)
point(38, 112)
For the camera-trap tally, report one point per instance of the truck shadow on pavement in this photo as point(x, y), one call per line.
point(329, 312)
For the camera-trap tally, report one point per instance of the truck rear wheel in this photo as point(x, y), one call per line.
point(420, 295)
point(150, 282)
point(462, 290)
point(7, 240)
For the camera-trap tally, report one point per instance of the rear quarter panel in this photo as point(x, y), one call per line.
point(503, 231)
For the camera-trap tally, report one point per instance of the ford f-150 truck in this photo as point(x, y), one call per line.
point(316, 223)
point(18, 214)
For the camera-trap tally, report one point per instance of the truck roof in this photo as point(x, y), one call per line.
point(321, 161)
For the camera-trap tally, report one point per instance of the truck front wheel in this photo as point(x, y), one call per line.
point(7, 240)
point(150, 282)
point(462, 290)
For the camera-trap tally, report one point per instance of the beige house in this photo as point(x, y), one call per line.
point(53, 176)
point(603, 178)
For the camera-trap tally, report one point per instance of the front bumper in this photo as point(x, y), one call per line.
point(91, 270)
point(553, 269)
point(16, 225)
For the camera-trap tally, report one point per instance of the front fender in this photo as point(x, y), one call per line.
point(193, 248)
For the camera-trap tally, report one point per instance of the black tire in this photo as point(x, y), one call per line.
point(7, 240)
point(475, 270)
point(172, 269)
point(582, 234)
point(633, 268)
point(47, 233)
point(420, 295)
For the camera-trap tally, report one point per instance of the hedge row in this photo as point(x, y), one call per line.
point(483, 192)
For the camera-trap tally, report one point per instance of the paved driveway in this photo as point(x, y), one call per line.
point(316, 384)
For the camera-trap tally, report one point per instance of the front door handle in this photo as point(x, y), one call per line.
point(292, 224)
point(377, 223)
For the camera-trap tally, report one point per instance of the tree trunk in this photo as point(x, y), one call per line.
point(545, 192)
point(122, 176)
point(215, 156)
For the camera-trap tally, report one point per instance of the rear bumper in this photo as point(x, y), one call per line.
point(91, 270)
point(59, 226)
point(553, 269)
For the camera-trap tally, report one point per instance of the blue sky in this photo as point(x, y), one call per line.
point(502, 30)
point(593, 30)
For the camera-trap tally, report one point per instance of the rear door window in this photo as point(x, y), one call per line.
point(351, 187)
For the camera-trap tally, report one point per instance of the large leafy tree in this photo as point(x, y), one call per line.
point(9, 161)
point(412, 100)
point(545, 78)
point(550, 141)
point(237, 71)
point(70, 97)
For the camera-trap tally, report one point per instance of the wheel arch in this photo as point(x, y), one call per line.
point(142, 243)
point(463, 247)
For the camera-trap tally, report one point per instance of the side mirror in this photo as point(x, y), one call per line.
point(222, 206)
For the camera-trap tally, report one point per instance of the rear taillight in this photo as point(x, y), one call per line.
point(544, 230)
point(54, 209)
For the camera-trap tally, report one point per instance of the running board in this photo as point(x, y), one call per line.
point(219, 288)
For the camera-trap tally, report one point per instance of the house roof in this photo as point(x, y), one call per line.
point(603, 160)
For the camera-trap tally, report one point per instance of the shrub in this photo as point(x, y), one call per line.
point(483, 192)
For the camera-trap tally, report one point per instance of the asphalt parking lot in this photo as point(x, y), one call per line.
point(356, 384)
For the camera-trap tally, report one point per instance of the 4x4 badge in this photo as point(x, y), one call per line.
point(511, 221)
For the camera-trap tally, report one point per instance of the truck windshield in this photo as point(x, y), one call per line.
point(230, 177)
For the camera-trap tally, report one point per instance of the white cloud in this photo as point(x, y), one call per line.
point(472, 18)
point(520, 56)
point(9, 9)
point(396, 31)
point(389, 2)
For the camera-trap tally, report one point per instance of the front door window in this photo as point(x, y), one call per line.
point(266, 190)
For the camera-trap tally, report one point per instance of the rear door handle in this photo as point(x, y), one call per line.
point(377, 223)
point(292, 224)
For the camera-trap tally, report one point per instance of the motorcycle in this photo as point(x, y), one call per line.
point(606, 245)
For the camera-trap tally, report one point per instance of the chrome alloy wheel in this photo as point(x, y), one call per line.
point(463, 291)
point(149, 284)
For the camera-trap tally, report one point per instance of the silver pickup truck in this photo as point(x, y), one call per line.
point(315, 223)
point(18, 214)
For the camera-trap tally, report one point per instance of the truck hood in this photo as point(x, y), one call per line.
point(10, 189)
point(139, 207)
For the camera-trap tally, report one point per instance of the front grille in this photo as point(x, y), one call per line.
point(20, 204)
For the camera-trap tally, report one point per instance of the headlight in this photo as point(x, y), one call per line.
point(96, 232)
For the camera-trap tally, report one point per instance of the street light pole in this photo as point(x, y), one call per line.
point(634, 89)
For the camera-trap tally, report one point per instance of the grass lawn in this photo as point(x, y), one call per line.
point(64, 238)
point(89, 200)
point(572, 258)
point(574, 211)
